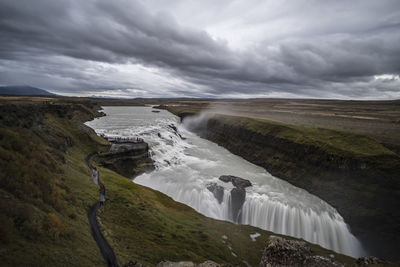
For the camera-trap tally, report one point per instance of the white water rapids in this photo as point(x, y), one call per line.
point(185, 166)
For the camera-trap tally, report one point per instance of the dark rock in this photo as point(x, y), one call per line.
point(236, 181)
point(241, 183)
point(319, 261)
point(217, 190)
point(226, 178)
point(369, 261)
point(173, 127)
point(281, 252)
point(160, 107)
point(238, 196)
point(127, 159)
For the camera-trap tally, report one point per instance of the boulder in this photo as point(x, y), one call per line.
point(173, 127)
point(319, 261)
point(236, 181)
point(280, 252)
point(238, 196)
point(370, 261)
point(217, 190)
point(226, 178)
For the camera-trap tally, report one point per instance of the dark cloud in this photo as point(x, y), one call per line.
point(105, 46)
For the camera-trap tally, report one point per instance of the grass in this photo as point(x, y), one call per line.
point(44, 197)
point(330, 141)
point(46, 193)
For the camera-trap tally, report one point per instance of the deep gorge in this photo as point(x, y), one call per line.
point(360, 188)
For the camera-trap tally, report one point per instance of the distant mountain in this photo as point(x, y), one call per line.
point(23, 90)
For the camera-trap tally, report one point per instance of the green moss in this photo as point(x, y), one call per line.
point(335, 142)
point(45, 217)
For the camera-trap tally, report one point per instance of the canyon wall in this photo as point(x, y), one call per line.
point(364, 188)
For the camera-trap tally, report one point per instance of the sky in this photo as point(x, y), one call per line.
point(338, 49)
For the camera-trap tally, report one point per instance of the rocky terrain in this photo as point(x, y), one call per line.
point(238, 194)
point(128, 158)
point(280, 252)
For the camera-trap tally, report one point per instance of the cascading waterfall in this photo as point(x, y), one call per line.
point(186, 164)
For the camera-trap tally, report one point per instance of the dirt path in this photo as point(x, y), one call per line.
point(105, 248)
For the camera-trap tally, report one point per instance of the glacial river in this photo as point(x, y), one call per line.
point(186, 164)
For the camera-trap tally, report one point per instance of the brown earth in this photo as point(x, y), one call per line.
point(379, 120)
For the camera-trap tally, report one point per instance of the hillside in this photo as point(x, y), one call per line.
point(24, 90)
point(46, 193)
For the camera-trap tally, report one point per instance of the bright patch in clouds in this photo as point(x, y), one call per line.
point(387, 77)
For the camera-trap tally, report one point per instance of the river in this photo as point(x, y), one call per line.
point(187, 164)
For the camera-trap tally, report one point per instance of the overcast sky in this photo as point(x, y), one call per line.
point(205, 48)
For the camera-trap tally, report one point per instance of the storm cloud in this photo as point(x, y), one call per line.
point(324, 49)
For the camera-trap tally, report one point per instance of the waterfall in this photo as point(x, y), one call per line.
point(187, 164)
point(326, 229)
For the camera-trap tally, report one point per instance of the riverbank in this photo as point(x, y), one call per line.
point(353, 173)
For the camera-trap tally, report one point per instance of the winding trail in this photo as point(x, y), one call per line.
point(105, 248)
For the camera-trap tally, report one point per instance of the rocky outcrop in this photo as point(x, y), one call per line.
point(371, 261)
point(236, 181)
point(127, 158)
point(238, 195)
point(173, 127)
point(217, 190)
point(280, 252)
point(175, 131)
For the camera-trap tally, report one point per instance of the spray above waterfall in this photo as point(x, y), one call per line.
point(188, 169)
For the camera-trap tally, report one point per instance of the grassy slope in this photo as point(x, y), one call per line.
point(45, 201)
point(140, 223)
point(331, 141)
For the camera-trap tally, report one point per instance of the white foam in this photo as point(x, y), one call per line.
point(254, 236)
